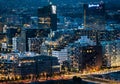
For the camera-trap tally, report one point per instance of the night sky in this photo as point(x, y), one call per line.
point(11, 4)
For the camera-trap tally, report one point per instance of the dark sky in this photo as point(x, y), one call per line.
point(36, 3)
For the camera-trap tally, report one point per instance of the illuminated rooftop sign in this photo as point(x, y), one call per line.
point(93, 5)
point(53, 9)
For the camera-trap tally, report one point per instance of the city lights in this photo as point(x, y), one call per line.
point(59, 42)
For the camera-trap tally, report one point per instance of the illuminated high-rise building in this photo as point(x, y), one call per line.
point(12, 32)
point(47, 18)
point(94, 16)
point(85, 54)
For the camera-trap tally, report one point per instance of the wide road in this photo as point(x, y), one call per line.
point(86, 76)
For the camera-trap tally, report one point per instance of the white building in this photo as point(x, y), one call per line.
point(111, 53)
point(4, 45)
point(84, 40)
point(61, 54)
point(44, 49)
point(16, 44)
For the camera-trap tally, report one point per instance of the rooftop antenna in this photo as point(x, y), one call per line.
point(84, 17)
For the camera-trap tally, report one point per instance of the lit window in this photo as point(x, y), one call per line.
point(53, 9)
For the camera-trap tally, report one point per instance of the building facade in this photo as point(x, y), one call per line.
point(94, 16)
point(85, 55)
point(62, 54)
point(111, 53)
point(37, 65)
point(34, 45)
point(47, 17)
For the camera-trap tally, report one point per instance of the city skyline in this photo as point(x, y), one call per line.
point(57, 41)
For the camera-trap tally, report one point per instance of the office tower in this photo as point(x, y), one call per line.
point(31, 33)
point(1, 27)
point(85, 55)
point(17, 44)
point(47, 19)
point(94, 16)
point(12, 32)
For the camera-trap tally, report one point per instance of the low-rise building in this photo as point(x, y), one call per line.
point(37, 65)
point(62, 54)
point(85, 55)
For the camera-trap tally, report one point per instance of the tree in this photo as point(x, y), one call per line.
point(77, 80)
